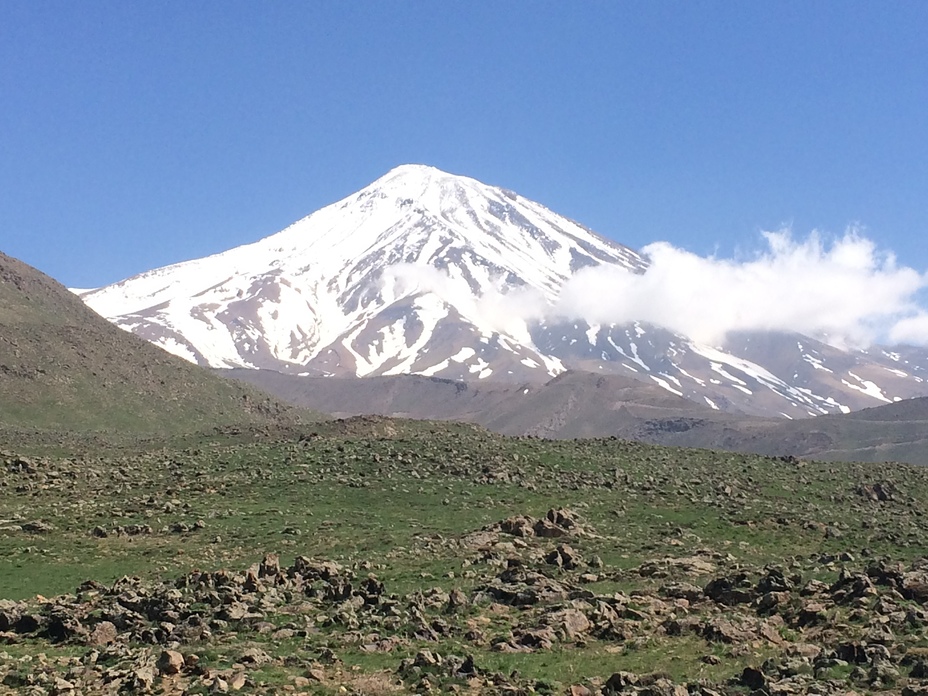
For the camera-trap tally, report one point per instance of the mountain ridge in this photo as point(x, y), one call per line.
point(63, 367)
point(424, 272)
point(340, 301)
point(585, 405)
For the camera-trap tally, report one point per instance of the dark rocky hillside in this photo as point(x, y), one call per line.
point(579, 404)
point(63, 366)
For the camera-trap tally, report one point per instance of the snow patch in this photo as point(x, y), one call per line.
point(867, 387)
point(816, 363)
point(666, 385)
point(633, 357)
point(173, 346)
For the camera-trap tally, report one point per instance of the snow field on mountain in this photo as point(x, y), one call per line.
point(418, 270)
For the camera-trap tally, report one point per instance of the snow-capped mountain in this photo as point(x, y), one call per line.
point(430, 273)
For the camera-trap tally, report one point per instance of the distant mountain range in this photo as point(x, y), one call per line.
point(65, 368)
point(585, 405)
point(428, 273)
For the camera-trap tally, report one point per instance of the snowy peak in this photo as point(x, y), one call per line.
point(420, 254)
point(431, 212)
point(431, 273)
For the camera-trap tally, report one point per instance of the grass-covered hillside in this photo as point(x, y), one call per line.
point(63, 367)
point(378, 557)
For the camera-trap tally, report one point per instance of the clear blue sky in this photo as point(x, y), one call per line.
point(136, 134)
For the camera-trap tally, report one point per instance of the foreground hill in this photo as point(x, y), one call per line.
point(64, 367)
point(578, 404)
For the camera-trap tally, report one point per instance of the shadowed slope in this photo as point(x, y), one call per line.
point(581, 404)
point(62, 366)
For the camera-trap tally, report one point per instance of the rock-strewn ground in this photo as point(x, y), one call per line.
point(380, 557)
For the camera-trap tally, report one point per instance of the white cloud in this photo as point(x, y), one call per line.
point(847, 291)
point(912, 330)
point(506, 312)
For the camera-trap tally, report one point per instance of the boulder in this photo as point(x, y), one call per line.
point(570, 624)
point(564, 556)
point(103, 633)
point(620, 682)
point(730, 590)
point(753, 678)
point(170, 662)
point(520, 526)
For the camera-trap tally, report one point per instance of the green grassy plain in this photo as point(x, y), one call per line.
point(404, 501)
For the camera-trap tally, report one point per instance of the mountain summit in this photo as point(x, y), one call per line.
point(410, 274)
point(430, 273)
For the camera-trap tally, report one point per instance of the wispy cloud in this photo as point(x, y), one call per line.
point(845, 290)
point(498, 307)
point(912, 330)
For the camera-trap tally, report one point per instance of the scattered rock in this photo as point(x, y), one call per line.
point(103, 633)
point(170, 662)
point(753, 678)
point(564, 556)
point(730, 590)
point(37, 527)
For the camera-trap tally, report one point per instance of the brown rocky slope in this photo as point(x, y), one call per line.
point(62, 366)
